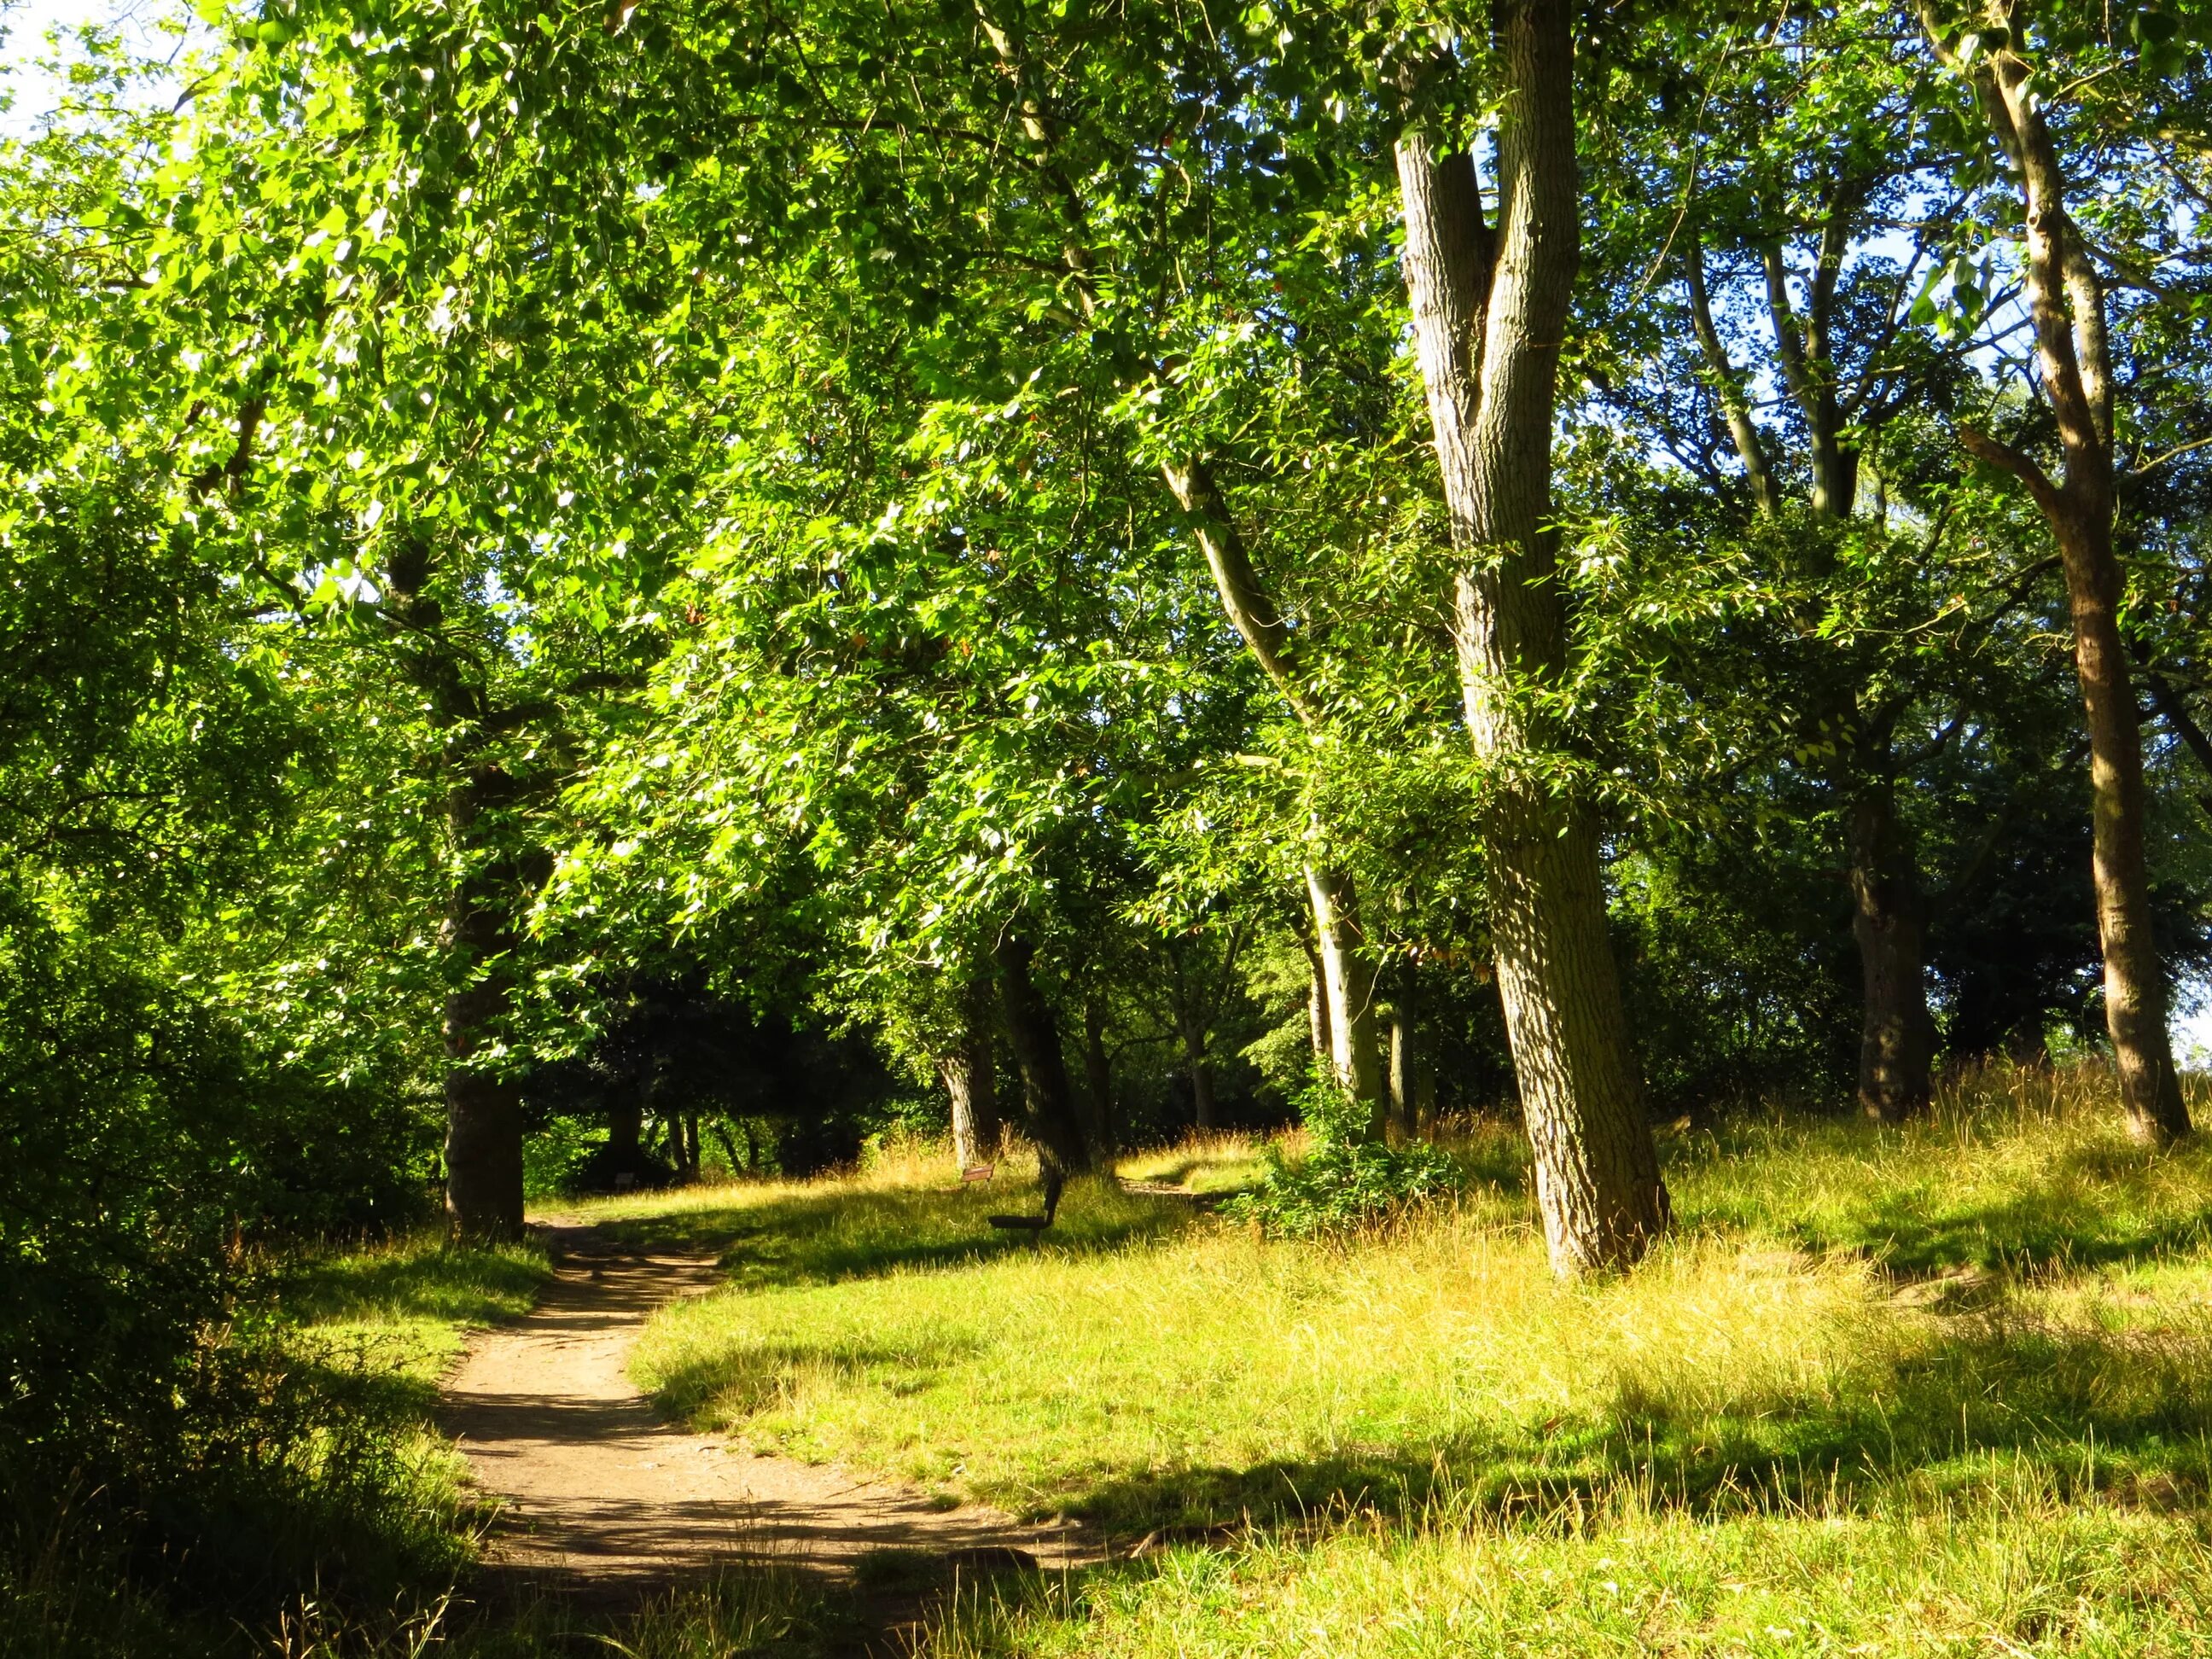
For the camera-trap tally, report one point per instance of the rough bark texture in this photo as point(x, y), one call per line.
point(1889, 920)
point(1489, 313)
point(1348, 980)
point(1407, 1064)
point(2066, 305)
point(1055, 1121)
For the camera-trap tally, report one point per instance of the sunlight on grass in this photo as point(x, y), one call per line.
point(405, 1306)
point(1797, 1339)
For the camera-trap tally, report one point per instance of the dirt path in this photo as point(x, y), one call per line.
point(602, 1496)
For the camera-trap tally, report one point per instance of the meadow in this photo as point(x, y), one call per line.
point(1938, 1389)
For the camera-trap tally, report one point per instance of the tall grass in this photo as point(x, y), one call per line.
point(1931, 1389)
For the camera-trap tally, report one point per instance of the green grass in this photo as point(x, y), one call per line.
point(1940, 1389)
point(402, 1309)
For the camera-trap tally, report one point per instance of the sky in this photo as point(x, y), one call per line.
point(35, 93)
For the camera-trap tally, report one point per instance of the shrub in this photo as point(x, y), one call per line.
point(1348, 1179)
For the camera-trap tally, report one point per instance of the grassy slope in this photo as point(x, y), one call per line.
point(1889, 1392)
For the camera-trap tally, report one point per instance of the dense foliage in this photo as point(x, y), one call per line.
point(592, 595)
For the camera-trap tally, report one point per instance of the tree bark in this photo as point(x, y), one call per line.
point(1098, 1077)
point(1347, 982)
point(1408, 1065)
point(2066, 305)
point(1489, 314)
point(483, 1111)
point(971, 1080)
point(1055, 1123)
point(1889, 920)
point(1191, 1030)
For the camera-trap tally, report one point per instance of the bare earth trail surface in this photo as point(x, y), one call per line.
point(604, 1498)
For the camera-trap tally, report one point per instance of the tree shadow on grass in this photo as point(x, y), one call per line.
point(2128, 1414)
point(822, 1237)
point(453, 1283)
point(745, 1382)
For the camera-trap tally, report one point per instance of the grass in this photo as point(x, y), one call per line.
point(401, 1309)
point(1941, 1390)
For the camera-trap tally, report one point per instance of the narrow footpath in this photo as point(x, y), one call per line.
point(603, 1498)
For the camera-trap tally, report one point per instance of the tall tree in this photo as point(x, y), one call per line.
point(1995, 49)
point(1490, 307)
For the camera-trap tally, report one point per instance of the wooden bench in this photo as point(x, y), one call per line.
point(978, 1172)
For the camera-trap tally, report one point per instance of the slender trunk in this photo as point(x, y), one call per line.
point(1190, 1030)
point(1198, 1067)
point(1055, 1123)
point(1348, 989)
point(1889, 920)
point(2073, 355)
point(1489, 315)
point(1408, 1063)
point(1317, 1031)
point(971, 1080)
point(729, 1148)
point(1098, 1076)
point(2134, 979)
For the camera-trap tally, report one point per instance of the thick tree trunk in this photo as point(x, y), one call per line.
point(1055, 1123)
point(2067, 305)
point(483, 1112)
point(1489, 315)
point(1348, 987)
point(1889, 920)
point(625, 1127)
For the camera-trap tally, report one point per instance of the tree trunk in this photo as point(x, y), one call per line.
point(971, 1080)
point(1191, 1031)
point(1889, 920)
point(1489, 314)
point(1098, 1077)
point(483, 1112)
point(1317, 1031)
point(1348, 989)
point(625, 1125)
point(2074, 353)
point(1055, 1123)
point(1407, 1064)
point(2135, 979)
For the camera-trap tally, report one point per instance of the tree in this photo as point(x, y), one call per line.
point(2073, 349)
point(1490, 307)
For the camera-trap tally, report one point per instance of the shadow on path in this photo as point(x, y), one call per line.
point(603, 1501)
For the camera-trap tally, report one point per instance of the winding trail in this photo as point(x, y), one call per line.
point(603, 1498)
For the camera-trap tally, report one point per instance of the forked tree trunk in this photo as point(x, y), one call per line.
point(1348, 980)
point(2066, 303)
point(1889, 920)
point(1055, 1123)
point(1489, 313)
